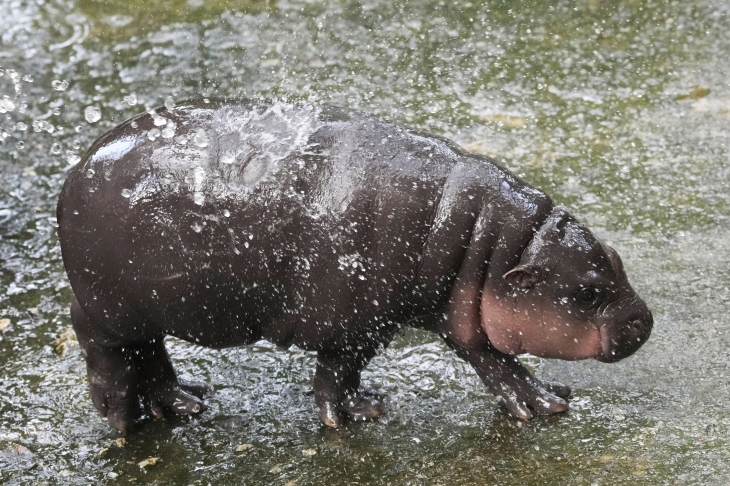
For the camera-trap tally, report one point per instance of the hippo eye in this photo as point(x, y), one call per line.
point(587, 296)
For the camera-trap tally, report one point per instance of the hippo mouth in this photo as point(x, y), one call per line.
point(608, 345)
point(621, 341)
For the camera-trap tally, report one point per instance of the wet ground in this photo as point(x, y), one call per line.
point(619, 109)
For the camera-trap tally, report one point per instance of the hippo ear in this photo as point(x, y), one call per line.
point(523, 276)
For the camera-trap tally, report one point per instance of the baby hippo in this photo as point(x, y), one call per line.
point(225, 223)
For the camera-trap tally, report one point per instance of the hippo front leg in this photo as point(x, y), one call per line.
point(337, 390)
point(524, 395)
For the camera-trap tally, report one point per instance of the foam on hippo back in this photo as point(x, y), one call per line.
point(233, 152)
point(251, 144)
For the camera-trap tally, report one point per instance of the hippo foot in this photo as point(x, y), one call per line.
point(362, 406)
point(115, 398)
point(112, 384)
point(178, 397)
point(558, 389)
point(525, 402)
point(117, 402)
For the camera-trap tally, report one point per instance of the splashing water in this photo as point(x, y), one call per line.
point(92, 114)
point(201, 139)
point(59, 85)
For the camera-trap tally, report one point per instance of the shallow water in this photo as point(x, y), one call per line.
point(619, 110)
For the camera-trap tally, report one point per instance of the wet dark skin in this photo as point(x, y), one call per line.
point(224, 223)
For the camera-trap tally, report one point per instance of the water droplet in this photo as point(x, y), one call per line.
point(169, 103)
point(199, 176)
point(201, 138)
point(92, 114)
point(6, 105)
point(153, 134)
point(76, 144)
point(158, 120)
point(40, 125)
point(118, 20)
point(199, 198)
point(133, 124)
point(20, 145)
point(72, 159)
point(126, 193)
point(78, 129)
point(90, 173)
point(131, 99)
point(55, 149)
point(59, 85)
point(21, 126)
point(226, 213)
point(197, 227)
point(168, 132)
point(28, 78)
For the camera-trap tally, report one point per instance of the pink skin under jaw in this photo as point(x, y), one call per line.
point(511, 331)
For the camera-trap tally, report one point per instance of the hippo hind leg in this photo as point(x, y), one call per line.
point(111, 374)
point(162, 393)
point(337, 389)
point(120, 376)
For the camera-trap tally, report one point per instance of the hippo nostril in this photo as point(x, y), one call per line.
point(639, 327)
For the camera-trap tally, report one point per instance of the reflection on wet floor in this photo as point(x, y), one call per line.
point(619, 110)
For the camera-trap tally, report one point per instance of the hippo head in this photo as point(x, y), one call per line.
point(569, 298)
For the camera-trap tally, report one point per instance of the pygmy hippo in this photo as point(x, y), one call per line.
point(223, 223)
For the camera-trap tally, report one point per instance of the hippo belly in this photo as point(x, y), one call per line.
point(223, 224)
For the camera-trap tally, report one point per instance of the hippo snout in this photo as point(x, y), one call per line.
point(622, 335)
